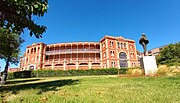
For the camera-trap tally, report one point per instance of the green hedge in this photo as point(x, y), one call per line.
point(59, 73)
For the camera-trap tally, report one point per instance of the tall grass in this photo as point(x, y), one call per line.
point(164, 70)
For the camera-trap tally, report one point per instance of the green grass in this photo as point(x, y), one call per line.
point(92, 89)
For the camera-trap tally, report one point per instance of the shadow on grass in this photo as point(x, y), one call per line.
point(41, 86)
point(21, 81)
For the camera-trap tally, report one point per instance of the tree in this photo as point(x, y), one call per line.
point(17, 15)
point(11, 48)
point(170, 55)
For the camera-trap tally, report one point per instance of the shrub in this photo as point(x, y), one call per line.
point(135, 72)
point(10, 76)
point(20, 74)
point(123, 70)
point(58, 73)
point(129, 71)
point(175, 70)
point(163, 70)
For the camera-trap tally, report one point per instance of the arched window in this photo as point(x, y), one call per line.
point(112, 53)
point(31, 67)
point(47, 48)
point(122, 55)
point(38, 49)
point(104, 54)
point(118, 44)
point(124, 45)
point(113, 64)
point(47, 65)
point(34, 50)
point(71, 64)
point(121, 45)
point(83, 64)
point(59, 65)
point(132, 55)
point(95, 63)
point(111, 43)
point(31, 50)
point(123, 59)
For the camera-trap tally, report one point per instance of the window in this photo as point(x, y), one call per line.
point(113, 64)
point(132, 55)
point(47, 57)
point(83, 64)
point(34, 50)
point(111, 43)
point(133, 64)
point(31, 68)
point(104, 65)
point(130, 47)
point(31, 50)
point(123, 55)
point(47, 49)
point(38, 49)
point(104, 54)
point(112, 53)
point(103, 45)
point(118, 44)
point(124, 45)
point(121, 45)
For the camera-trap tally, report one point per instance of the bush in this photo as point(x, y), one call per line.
point(175, 70)
point(123, 70)
point(164, 70)
point(135, 72)
point(59, 73)
point(129, 71)
point(20, 74)
point(10, 76)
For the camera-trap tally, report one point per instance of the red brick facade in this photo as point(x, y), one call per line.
point(109, 52)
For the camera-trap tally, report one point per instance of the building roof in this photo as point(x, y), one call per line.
point(119, 37)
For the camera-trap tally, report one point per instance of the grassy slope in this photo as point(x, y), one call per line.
point(96, 89)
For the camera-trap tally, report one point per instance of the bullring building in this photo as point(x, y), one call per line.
point(109, 52)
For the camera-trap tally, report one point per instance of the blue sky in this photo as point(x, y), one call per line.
point(91, 20)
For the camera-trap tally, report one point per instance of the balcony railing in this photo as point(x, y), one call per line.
point(71, 50)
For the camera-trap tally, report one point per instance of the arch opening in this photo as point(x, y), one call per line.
point(123, 60)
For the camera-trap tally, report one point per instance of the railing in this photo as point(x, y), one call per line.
point(65, 60)
point(71, 50)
